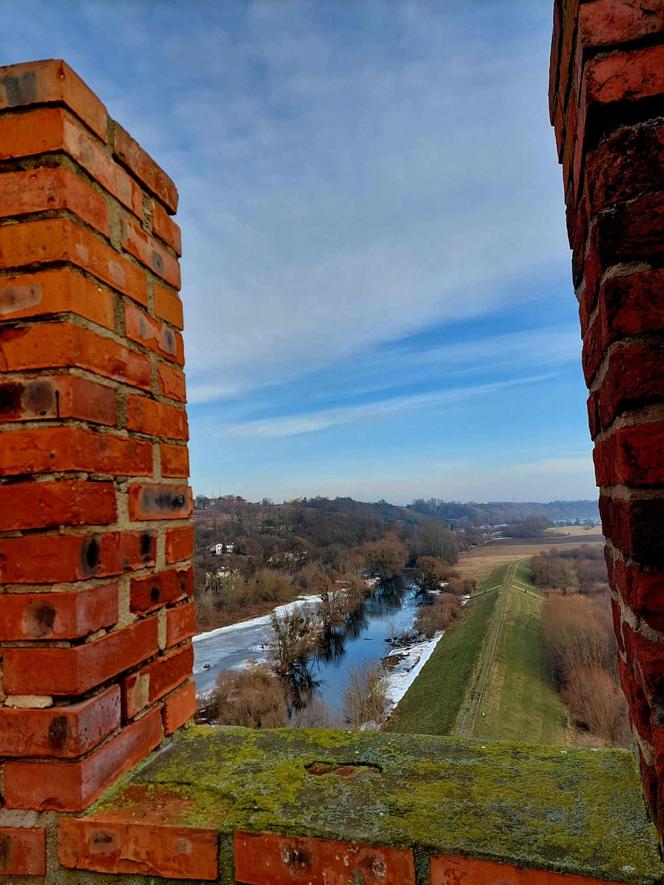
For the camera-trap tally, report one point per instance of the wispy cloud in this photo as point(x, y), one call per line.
point(293, 425)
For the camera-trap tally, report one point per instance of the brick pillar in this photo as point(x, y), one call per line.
point(607, 106)
point(96, 616)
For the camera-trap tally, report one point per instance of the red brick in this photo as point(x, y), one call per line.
point(646, 658)
point(168, 306)
point(51, 129)
point(62, 615)
point(155, 418)
point(165, 228)
point(72, 786)
point(62, 345)
point(593, 414)
point(281, 860)
point(631, 231)
point(634, 528)
point(171, 382)
point(174, 460)
point(79, 668)
point(631, 303)
point(609, 22)
point(161, 588)
point(63, 240)
point(626, 164)
point(141, 164)
point(51, 82)
point(154, 681)
point(47, 558)
point(36, 505)
point(180, 623)
point(179, 708)
point(159, 501)
point(150, 252)
point(455, 870)
point(625, 75)
point(108, 843)
point(22, 851)
point(632, 456)
point(73, 448)
point(153, 334)
point(179, 543)
point(55, 291)
point(643, 591)
point(63, 732)
point(649, 782)
point(58, 396)
point(633, 379)
point(49, 189)
point(639, 708)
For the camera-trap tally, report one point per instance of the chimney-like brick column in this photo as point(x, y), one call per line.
point(96, 615)
point(607, 106)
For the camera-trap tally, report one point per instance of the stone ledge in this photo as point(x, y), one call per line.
point(387, 807)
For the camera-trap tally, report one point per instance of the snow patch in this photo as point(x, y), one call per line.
point(400, 679)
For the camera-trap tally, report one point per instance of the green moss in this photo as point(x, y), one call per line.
point(572, 810)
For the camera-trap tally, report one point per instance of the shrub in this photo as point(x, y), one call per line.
point(365, 696)
point(438, 615)
point(597, 705)
point(253, 698)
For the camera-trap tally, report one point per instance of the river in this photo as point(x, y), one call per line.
point(362, 639)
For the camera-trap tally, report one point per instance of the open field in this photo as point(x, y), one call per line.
point(513, 698)
point(431, 705)
point(480, 562)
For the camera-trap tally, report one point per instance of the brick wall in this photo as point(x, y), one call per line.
point(95, 534)
point(607, 107)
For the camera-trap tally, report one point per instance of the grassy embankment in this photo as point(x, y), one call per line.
point(431, 705)
point(487, 678)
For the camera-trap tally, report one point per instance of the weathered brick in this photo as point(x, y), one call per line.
point(633, 379)
point(156, 679)
point(171, 382)
point(165, 228)
point(161, 588)
point(51, 82)
point(74, 670)
point(51, 240)
point(642, 590)
point(141, 164)
point(282, 860)
point(50, 129)
point(45, 558)
point(55, 291)
point(63, 732)
point(179, 707)
point(624, 75)
point(631, 456)
point(159, 501)
point(153, 334)
point(179, 543)
point(145, 415)
point(50, 189)
point(150, 252)
point(124, 845)
point(73, 448)
point(33, 505)
point(58, 396)
point(168, 306)
point(634, 528)
point(180, 623)
point(174, 460)
point(60, 345)
point(604, 23)
point(22, 851)
point(72, 786)
point(62, 615)
point(456, 870)
point(646, 659)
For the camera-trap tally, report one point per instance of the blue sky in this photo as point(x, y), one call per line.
point(376, 277)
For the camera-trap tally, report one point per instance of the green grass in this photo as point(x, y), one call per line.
point(487, 677)
point(518, 701)
point(432, 703)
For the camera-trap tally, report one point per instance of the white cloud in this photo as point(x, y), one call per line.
point(294, 425)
